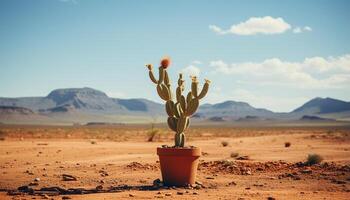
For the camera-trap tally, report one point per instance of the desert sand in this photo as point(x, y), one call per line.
point(118, 163)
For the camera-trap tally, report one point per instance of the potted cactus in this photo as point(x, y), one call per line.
point(179, 162)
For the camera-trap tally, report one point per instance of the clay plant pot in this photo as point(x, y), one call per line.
point(178, 165)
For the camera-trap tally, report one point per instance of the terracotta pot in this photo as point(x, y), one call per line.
point(178, 165)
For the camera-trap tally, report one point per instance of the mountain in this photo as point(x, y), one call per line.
point(84, 105)
point(323, 106)
point(15, 110)
point(232, 110)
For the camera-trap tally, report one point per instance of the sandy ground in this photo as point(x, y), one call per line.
point(134, 163)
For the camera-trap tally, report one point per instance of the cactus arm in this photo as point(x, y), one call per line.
point(167, 82)
point(192, 107)
point(183, 103)
point(150, 73)
point(170, 108)
point(194, 86)
point(204, 89)
point(151, 76)
point(161, 75)
point(172, 123)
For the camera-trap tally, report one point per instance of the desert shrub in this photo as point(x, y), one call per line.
point(287, 144)
point(2, 135)
point(224, 143)
point(152, 134)
point(234, 155)
point(93, 142)
point(313, 159)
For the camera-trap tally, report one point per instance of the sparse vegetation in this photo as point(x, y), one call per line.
point(224, 143)
point(2, 135)
point(234, 154)
point(152, 134)
point(313, 159)
point(287, 144)
point(93, 142)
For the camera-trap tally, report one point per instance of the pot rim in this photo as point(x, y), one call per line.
point(169, 151)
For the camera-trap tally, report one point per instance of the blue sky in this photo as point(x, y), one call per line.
point(271, 54)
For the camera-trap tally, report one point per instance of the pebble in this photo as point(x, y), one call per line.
point(179, 193)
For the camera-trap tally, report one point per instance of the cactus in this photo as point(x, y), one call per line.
point(181, 108)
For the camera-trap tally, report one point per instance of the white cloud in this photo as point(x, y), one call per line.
point(217, 29)
point(196, 62)
point(255, 25)
point(301, 30)
point(297, 30)
point(260, 25)
point(191, 70)
point(307, 28)
point(310, 73)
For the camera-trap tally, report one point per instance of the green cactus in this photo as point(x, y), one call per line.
point(180, 111)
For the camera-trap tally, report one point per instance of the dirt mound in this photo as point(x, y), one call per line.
point(138, 166)
point(247, 168)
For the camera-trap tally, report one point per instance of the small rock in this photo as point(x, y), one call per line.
point(271, 198)
point(338, 182)
point(37, 179)
point(99, 187)
point(242, 158)
point(67, 177)
point(167, 194)
point(306, 171)
point(195, 193)
point(131, 195)
point(158, 183)
point(232, 183)
point(180, 193)
point(33, 184)
point(209, 177)
point(66, 197)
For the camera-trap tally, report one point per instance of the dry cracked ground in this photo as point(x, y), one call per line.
point(119, 163)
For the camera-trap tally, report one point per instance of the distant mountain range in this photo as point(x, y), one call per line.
point(83, 105)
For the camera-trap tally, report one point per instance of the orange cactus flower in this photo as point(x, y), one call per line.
point(165, 62)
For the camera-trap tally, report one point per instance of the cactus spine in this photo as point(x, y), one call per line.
point(178, 111)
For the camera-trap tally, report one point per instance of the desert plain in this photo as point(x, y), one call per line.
point(119, 162)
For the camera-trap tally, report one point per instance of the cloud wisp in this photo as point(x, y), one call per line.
point(301, 30)
point(311, 73)
point(259, 25)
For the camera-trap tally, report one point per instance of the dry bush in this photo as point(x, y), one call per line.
point(313, 159)
point(287, 144)
point(224, 143)
point(93, 142)
point(152, 134)
point(2, 135)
